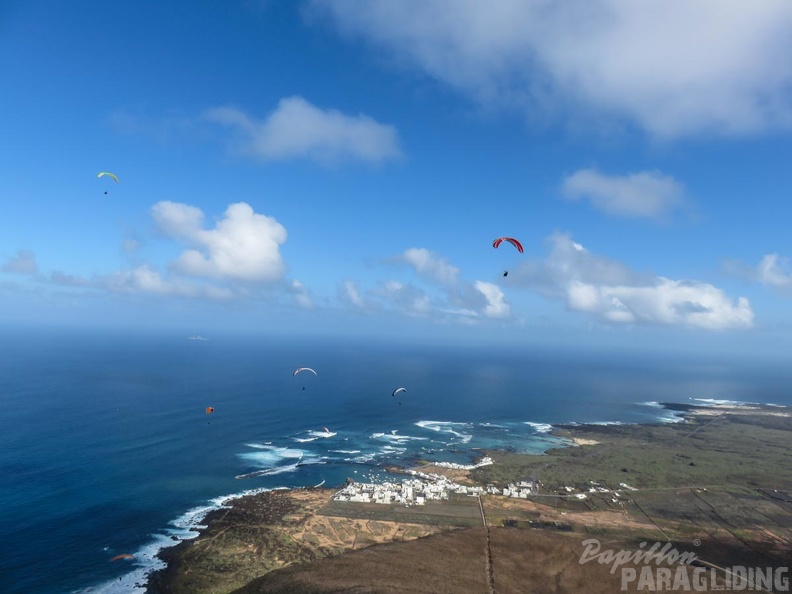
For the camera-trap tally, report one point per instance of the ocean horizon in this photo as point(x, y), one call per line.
point(108, 448)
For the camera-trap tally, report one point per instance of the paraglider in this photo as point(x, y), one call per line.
point(398, 390)
point(300, 370)
point(209, 410)
point(112, 176)
point(512, 241)
point(122, 556)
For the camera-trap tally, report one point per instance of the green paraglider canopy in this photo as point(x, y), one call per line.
point(107, 173)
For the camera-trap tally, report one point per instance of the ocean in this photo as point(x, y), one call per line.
point(106, 446)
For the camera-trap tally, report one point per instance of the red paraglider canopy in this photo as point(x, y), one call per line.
point(511, 240)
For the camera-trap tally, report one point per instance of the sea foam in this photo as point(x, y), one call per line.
point(540, 427)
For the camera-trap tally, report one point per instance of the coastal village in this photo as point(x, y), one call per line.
point(436, 487)
point(414, 491)
point(423, 514)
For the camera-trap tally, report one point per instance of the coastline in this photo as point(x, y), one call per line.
point(259, 533)
point(269, 504)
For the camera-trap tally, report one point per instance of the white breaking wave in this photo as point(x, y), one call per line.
point(540, 427)
point(388, 449)
point(314, 435)
point(270, 455)
point(715, 401)
point(267, 458)
point(396, 438)
point(447, 427)
point(668, 416)
point(485, 461)
point(185, 527)
point(268, 471)
point(323, 434)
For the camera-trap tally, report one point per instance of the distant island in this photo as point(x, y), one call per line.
point(714, 489)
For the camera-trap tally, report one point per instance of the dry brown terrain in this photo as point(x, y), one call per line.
point(522, 562)
point(260, 533)
point(717, 487)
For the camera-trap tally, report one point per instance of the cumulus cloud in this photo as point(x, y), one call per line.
point(301, 295)
point(407, 297)
point(672, 67)
point(774, 270)
point(431, 266)
point(607, 289)
point(496, 301)
point(243, 246)
point(349, 293)
point(646, 194)
point(145, 279)
point(298, 129)
point(62, 279)
point(171, 127)
point(444, 296)
point(237, 258)
point(24, 262)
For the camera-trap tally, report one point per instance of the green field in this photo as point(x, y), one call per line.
point(729, 450)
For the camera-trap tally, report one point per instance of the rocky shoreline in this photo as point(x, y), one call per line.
point(260, 534)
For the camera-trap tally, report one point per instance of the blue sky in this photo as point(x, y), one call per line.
point(343, 168)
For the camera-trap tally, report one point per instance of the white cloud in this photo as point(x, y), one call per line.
point(297, 129)
point(607, 289)
point(444, 297)
point(60, 278)
point(647, 194)
point(407, 297)
point(145, 279)
point(349, 292)
point(130, 246)
point(673, 67)
point(496, 302)
point(431, 266)
point(237, 259)
point(301, 295)
point(243, 245)
point(24, 262)
point(773, 270)
point(171, 127)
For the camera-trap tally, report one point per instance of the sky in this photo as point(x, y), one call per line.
point(343, 168)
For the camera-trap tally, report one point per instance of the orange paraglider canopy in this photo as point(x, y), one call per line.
point(122, 556)
point(209, 409)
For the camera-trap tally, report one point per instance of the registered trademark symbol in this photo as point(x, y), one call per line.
point(696, 542)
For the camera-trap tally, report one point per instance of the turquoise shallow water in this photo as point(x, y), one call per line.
point(106, 448)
